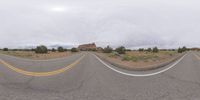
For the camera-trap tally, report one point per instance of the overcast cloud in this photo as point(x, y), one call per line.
point(132, 23)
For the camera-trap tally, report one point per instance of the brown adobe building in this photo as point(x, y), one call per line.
point(87, 47)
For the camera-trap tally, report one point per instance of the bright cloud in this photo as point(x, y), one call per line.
point(132, 23)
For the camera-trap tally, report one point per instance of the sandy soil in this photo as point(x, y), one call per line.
point(155, 59)
point(33, 55)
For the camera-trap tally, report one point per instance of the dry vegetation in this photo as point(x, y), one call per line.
point(33, 55)
point(135, 59)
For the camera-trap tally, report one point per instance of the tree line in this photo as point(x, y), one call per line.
point(43, 49)
point(120, 50)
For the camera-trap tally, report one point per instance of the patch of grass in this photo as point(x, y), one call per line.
point(113, 54)
point(126, 58)
point(144, 58)
point(134, 59)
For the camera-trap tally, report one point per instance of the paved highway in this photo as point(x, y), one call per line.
point(84, 77)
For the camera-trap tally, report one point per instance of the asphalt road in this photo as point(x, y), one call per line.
point(89, 79)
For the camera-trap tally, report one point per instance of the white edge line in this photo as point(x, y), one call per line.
point(140, 75)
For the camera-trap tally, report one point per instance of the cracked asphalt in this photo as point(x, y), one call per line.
point(91, 80)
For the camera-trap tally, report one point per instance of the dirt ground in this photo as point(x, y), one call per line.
point(33, 55)
point(135, 59)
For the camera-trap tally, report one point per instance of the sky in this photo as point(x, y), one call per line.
point(131, 23)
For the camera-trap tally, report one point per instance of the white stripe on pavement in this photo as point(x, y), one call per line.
point(140, 75)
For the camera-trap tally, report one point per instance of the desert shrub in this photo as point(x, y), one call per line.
point(26, 49)
point(107, 49)
point(126, 58)
point(155, 50)
point(184, 49)
point(14, 49)
point(121, 50)
point(41, 49)
point(134, 59)
point(172, 49)
point(5, 49)
point(94, 50)
point(32, 49)
point(141, 49)
point(149, 50)
point(53, 50)
point(60, 49)
point(144, 58)
point(170, 54)
point(130, 58)
point(128, 50)
point(180, 50)
point(65, 49)
point(74, 50)
point(114, 54)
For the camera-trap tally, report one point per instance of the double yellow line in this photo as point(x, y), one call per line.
point(38, 74)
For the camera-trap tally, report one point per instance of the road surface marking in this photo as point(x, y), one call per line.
point(140, 75)
point(24, 59)
point(21, 71)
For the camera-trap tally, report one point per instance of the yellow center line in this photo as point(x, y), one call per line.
point(29, 73)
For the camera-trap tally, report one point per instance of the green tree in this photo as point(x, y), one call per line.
point(31, 49)
point(155, 50)
point(53, 50)
point(65, 49)
point(128, 50)
point(60, 49)
point(74, 50)
point(184, 49)
point(5, 49)
point(41, 49)
point(149, 50)
point(180, 50)
point(121, 50)
point(107, 49)
point(141, 49)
